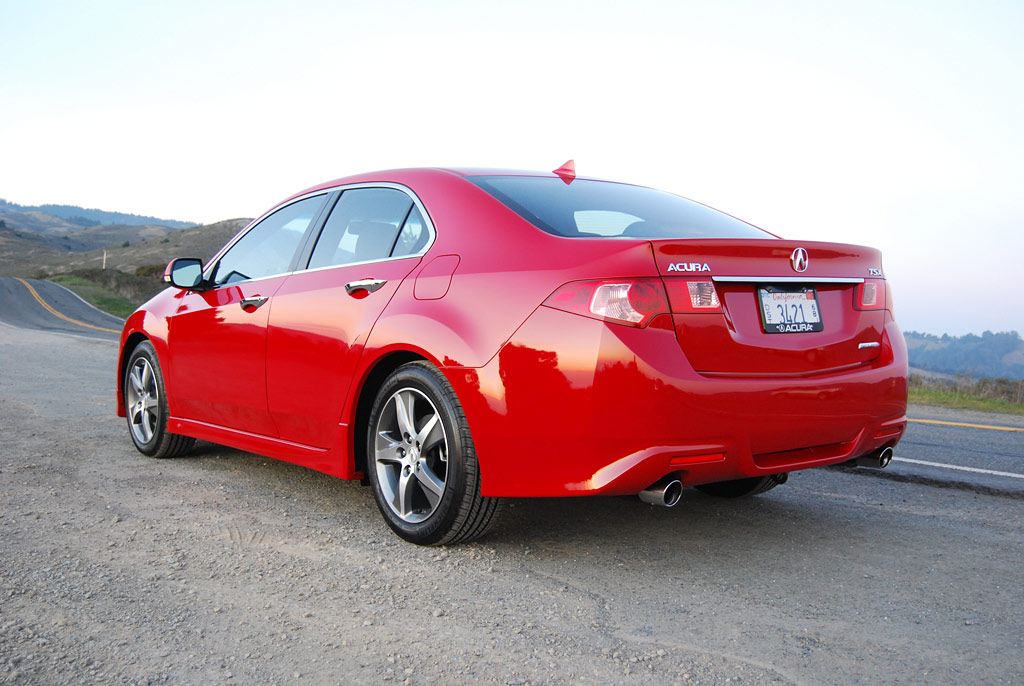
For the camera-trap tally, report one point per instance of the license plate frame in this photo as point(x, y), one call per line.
point(800, 309)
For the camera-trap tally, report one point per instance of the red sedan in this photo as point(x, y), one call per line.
point(458, 336)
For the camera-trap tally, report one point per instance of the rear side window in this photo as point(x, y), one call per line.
point(414, 235)
point(596, 209)
point(364, 226)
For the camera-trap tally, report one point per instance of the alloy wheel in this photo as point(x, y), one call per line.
point(143, 401)
point(411, 455)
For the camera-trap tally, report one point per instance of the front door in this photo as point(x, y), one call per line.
point(218, 337)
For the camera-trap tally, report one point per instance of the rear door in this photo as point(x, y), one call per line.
point(752, 307)
point(372, 239)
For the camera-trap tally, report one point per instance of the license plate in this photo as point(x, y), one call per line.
point(789, 310)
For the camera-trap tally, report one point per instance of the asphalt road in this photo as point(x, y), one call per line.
point(46, 306)
point(973, 451)
point(224, 567)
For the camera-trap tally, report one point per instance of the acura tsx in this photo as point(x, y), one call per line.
point(458, 336)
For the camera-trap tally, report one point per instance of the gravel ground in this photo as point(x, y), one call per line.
point(225, 567)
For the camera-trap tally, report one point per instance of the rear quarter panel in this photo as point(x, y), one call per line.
point(506, 269)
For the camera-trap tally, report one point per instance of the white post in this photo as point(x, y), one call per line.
point(104, 259)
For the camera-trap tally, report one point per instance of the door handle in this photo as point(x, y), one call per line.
point(250, 304)
point(368, 285)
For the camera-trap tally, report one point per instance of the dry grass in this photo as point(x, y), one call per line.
point(962, 392)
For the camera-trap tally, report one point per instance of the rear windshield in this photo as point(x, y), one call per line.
point(593, 209)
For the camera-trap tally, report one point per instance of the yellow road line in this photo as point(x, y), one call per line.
point(54, 312)
point(973, 426)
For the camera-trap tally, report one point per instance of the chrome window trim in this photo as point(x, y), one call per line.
point(318, 269)
point(428, 222)
point(786, 279)
point(249, 227)
point(256, 280)
point(356, 264)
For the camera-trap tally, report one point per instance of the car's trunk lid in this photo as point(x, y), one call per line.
point(750, 276)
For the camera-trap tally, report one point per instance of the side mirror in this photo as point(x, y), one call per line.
point(184, 272)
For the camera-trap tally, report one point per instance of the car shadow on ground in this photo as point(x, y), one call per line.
point(781, 519)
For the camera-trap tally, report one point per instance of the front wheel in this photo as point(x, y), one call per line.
point(145, 404)
point(421, 461)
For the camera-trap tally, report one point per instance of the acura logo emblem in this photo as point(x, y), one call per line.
point(799, 260)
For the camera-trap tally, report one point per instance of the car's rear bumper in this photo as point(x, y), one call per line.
point(611, 409)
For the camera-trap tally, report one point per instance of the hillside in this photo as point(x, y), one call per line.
point(197, 241)
point(61, 219)
point(81, 239)
point(133, 269)
point(37, 223)
point(24, 255)
point(112, 259)
point(43, 232)
point(992, 355)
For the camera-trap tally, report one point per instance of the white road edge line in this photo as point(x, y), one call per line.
point(87, 303)
point(958, 467)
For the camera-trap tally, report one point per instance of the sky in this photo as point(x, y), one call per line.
point(891, 124)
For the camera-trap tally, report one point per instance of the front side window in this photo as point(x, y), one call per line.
point(364, 226)
point(596, 209)
point(269, 247)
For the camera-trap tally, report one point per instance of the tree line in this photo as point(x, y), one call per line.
point(992, 355)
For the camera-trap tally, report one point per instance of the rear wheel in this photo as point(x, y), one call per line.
point(145, 404)
point(741, 488)
point(422, 463)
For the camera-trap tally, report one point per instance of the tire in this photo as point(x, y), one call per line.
point(421, 462)
point(742, 488)
point(145, 404)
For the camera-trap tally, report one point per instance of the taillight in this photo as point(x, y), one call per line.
point(625, 301)
point(692, 295)
point(870, 295)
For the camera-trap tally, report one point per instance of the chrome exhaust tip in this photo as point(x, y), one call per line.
point(884, 458)
point(663, 493)
point(878, 460)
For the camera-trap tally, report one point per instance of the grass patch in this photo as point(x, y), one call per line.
point(111, 290)
point(96, 295)
point(960, 401)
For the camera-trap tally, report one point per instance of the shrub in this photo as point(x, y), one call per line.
point(151, 270)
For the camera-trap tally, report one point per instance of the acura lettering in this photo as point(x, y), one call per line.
point(688, 267)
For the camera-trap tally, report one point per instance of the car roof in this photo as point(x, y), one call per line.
point(410, 174)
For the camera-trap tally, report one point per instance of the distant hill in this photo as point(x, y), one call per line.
point(25, 254)
point(37, 230)
point(992, 355)
point(17, 248)
point(70, 218)
point(79, 240)
point(122, 255)
point(196, 241)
